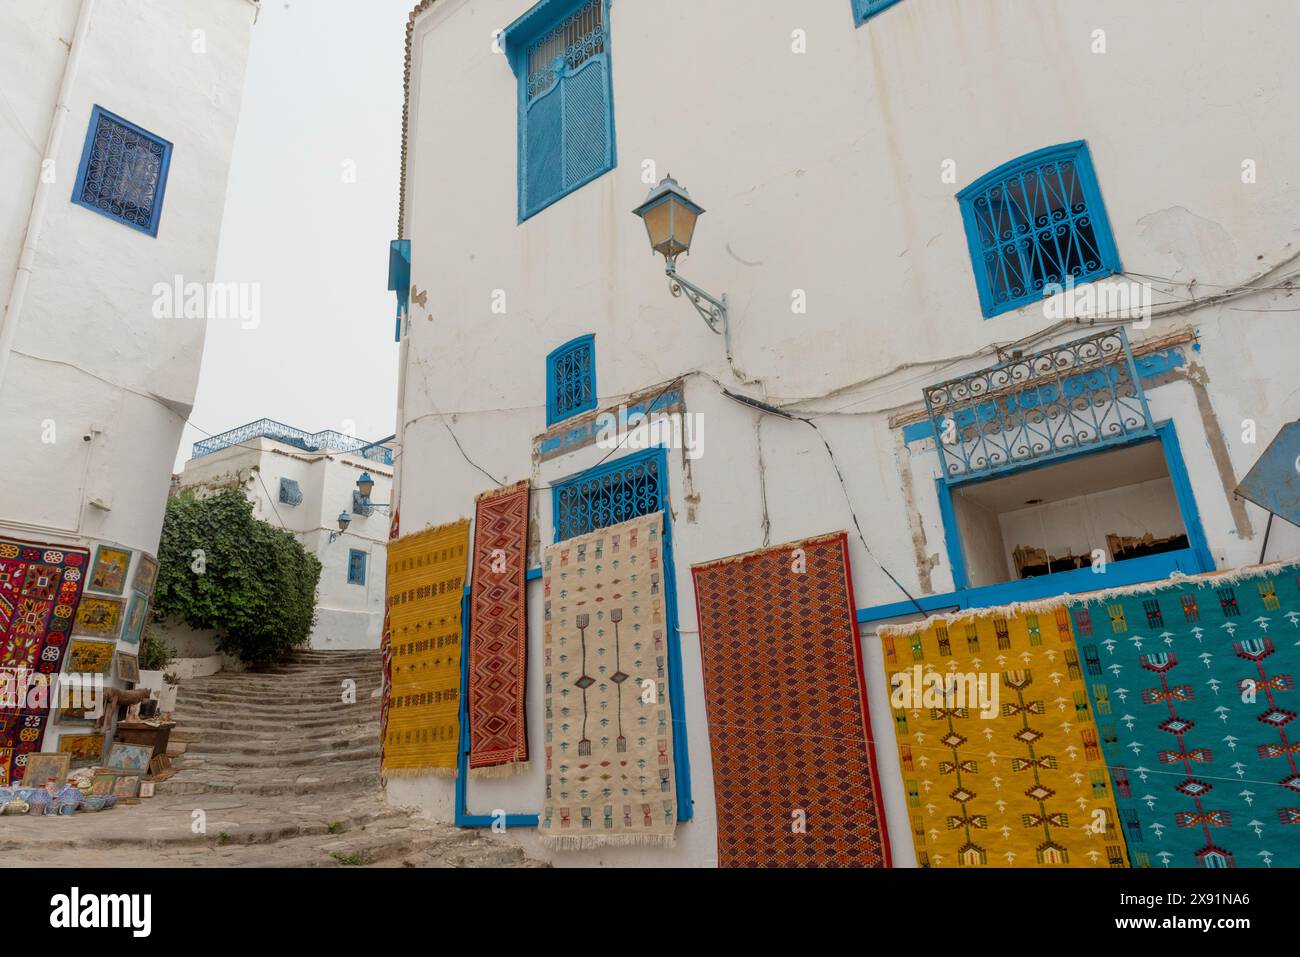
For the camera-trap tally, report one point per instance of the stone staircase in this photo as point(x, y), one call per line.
point(284, 742)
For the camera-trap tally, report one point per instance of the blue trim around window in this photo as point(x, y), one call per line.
point(518, 40)
point(864, 10)
point(1194, 559)
point(571, 379)
point(1083, 260)
point(356, 567)
point(98, 116)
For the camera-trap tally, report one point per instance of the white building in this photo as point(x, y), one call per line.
point(304, 482)
point(847, 152)
point(116, 132)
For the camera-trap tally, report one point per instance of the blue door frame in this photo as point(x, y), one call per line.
point(677, 702)
point(1191, 560)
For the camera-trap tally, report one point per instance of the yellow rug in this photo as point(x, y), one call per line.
point(426, 579)
point(999, 750)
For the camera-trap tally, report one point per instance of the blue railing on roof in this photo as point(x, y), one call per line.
point(1029, 409)
point(327, 441)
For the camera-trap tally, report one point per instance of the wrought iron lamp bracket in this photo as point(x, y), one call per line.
point(712, 310)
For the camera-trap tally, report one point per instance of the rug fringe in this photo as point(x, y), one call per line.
point(586, 842)
point(419, 772)
point(500, 770)
point(1176, 580)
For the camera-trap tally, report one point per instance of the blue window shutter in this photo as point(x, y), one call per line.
point(290, 492)
point(544, 147)
point(865, 9)
point(356, 567)
point(566, 121)
point(586, 126)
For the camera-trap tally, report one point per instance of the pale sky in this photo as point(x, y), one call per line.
point(324, 88)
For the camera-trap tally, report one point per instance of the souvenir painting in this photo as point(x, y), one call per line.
point(82, 747)
point(100, 617)
point(126, 786)
point(128, 667)
point(146, 789)
point(129, 757)
point(146, 573)
point(87, 656)
point(101, 785)
point(135, 619)
point(76, 715)
point(109, 573)
point(43, 765)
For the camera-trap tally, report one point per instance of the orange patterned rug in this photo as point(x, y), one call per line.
point(793, 771)
point(498, 635)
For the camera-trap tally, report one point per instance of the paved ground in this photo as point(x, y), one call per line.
point(284, 774)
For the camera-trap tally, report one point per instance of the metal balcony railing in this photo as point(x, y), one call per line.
point(307, 441)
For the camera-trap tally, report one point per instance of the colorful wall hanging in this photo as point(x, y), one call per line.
point(110, 569)
point(40, 588)
point(996, 740)
point(100, 617)
point(794, 777)
point(1194, 684)
point(90, 656)
point(498, 642)
point(426, 583)
point(609, 779)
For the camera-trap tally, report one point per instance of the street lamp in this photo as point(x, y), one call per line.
point(670, 215)
point(344, 521)
point(366, 484)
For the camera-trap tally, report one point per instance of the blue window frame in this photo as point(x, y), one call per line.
point(863, 10)
point(123, 172)
point(615, 492)
point(571, 379)
point(1035, 222)
point(356, 567)
point(559, 50)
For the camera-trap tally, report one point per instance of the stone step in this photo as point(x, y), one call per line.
point(355, 776)
point(286, 686)
point(290, 725)
point(231, 743)
point(207, 709)
point(254, 758)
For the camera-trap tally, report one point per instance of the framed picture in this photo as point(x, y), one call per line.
point(146, 574)
point(109, 573)
point(135, 615)
point(82, 747)
point(45, 765)
point(126, 785)
point(129, 757)
point(76, 715)
point(100, 617)
point(128, 667)
point(102, 783)
point(146, 789)
point(88, 656)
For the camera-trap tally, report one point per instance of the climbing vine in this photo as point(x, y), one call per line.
point(220, 568)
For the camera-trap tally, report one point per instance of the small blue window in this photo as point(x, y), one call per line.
point(290, 492)
point(356, 567)
point(560, 51)
point(123, 172)
point(1036, 222)
point(865, 9)
point(571, 379)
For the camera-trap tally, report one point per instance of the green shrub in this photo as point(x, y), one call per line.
point(155, 654)
point(220, 568)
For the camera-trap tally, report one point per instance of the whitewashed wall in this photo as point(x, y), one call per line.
point(347, 615)
point(821, 172)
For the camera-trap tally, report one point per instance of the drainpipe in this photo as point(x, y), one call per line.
point(41, 198)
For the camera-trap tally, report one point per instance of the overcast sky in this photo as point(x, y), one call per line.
point(324, 89)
